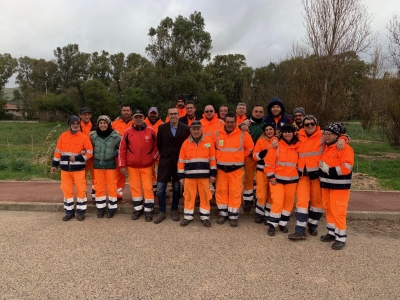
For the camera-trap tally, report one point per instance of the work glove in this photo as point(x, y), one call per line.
point(324, 167)
point(262, 153)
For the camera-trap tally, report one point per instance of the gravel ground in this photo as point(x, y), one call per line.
point(45, 258)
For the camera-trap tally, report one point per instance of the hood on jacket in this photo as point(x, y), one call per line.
point(275, 101)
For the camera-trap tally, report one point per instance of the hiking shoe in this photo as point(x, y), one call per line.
point(80, 217)
point(327, 238)
point(258, 219)
point(221, 220)
point(148, 216)
point(283, 228)
point(247, 207)
point(297, 236)
point(206, 222)
point(161, 217)
point(338, 245)
point(175, 215)
point(136, 214)
point(313, 231)
point(185, 222)
point(68, 217)
point(271, 230)
point(100, 214)
point(110, 214)
point(233, 222)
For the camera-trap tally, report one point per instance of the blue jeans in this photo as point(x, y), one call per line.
point(162, 202)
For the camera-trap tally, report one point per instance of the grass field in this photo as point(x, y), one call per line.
point(26, 151)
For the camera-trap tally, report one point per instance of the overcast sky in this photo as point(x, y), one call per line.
point(262, 30)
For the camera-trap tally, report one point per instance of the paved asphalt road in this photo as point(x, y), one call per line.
point(42, 257)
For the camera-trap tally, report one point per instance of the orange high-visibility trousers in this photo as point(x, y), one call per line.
point(68, 179)
point(192, 186)
point(335, 203)
point(106, 178)
point(249, 168)
point(154, 176)
point(89, 168)
point(141, 179)
point(282, 203)
point(264, 200)
point(228, 193)
point(121, 179)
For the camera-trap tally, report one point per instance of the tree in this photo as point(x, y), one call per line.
point(336, 30)
point(100, 67)
point(8, 65)
point(394, 37)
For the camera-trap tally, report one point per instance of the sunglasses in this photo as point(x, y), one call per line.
point(309, 124)
point(208, 111)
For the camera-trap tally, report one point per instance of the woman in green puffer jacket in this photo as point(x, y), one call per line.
point(105, 148)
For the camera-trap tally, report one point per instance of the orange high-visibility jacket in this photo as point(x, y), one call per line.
point(281, 163)
point(232, 148)
point(156, 124)
point(71, 144)
point(262, 143)
point(240, 119)
point(340, 168)
point(210, 126)
point(86, 128)
point(197, 160)
point(310, 151)
point(121, 126)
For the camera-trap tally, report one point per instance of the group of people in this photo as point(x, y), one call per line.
point(264, 159)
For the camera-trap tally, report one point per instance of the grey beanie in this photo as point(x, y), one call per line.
point(72, 119)
point(299, 110)
point(309, 117)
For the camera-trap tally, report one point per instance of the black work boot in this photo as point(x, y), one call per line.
point(327, 238)
point(297, 236)
point(313, 231)
point(136, 214)
point(338, 245)
point(68, 217)
point(271, 230)
point(221, 220)
point(283, 228)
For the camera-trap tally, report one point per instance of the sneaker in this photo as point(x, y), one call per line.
point(110, 214)
point(271, 230)
point(221, 220)
point(313, 231)
point(283, 228)
point(258, 219)
point(247, 207)
point(80, 217)
point(206, 222)
point(327, 238)
point(100, 214)
point(148, 216)
point(185, 222)
point(68, 217)
point(175, 215)
point(233, 222)
point(161, 217)
point(297, 236)
point(338, 245)
point(136, 214)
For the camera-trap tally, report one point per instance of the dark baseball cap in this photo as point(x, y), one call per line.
point(85, 110)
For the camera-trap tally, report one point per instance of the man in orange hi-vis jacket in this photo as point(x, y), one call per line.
point(120, 125)
point(196, 172)
point(335, 174)
point(72, 163)
point(232, 145)
point(210, 121)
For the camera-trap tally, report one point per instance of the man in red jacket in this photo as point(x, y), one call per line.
point(137, 152)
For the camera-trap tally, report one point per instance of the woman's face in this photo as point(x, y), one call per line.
point(103, 125)
point(288, 136)
point(269, 131)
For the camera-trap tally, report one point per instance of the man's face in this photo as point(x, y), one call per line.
point(152, 116)
point(230, 123)
point(330, 137)
point(241, 110)
point(180, 103)
point(276, 110)
point(310, 127)
point(138, 120)
point(85, 117)
point(298, 118)
point(75, 126)
point(196, 131)
point(222, 112)
point(190, 110)
point(258, 112)
point(126, 113)
point(173, 115)
point(209, 112)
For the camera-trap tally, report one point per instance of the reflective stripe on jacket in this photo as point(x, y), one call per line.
point(197, 160)
point(340, 168)
point(72, 144)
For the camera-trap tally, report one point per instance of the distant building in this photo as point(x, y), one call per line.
point(13, 109)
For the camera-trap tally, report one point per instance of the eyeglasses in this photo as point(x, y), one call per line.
point(208, 111)
point(309, 124)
